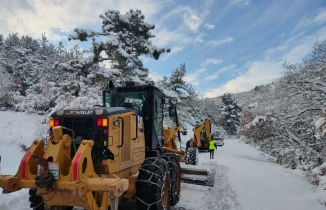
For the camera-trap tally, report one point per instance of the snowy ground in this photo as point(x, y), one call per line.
point(16, 128)
point(260, 184)
point(244, 180)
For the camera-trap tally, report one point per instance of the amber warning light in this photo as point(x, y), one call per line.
point(102, 122)
point(53, 122)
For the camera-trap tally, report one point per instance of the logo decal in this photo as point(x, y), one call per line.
point(71, 112)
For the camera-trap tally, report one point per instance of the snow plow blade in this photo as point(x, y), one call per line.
point(198, 176)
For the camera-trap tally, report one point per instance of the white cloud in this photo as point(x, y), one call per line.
point(174, 50)
point(266, 71)
point(302, 44)
point(193, 77)
point(59, 17)
point(227, 68)
point(211, 77)
point(163, 37)
point(193, 21)
point(214, 43)
point(194, 18)
point(174, 13)
point(242, 2)
point(319, 18)
point(298, 52)
point(216, 74)
point(176, 40)
point(209, 26)
point(259, 73)
point(211, 60)
point(188, 20)
point(202, 75)
point(190, 17)
point(271, 51)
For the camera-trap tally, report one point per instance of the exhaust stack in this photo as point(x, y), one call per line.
point(113, 94)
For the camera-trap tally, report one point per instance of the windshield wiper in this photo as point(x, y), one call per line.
point(124, 96)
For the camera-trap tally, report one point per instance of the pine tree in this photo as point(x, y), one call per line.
point(231, 113)
point(31, 78)
point(127, 38)
point(176, 81)
point(186, 97)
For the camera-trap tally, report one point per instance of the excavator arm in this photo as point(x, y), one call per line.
point(202, 135)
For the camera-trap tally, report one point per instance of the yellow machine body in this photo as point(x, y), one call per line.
point(95, 158)
point(79, 182)
point(171, 143)
point(202, 135)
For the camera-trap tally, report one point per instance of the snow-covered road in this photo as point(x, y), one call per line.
point(246, 180)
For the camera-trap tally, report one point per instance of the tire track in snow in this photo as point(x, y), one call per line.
point(219, 197)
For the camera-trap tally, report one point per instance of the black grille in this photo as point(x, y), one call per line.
point(86, 129)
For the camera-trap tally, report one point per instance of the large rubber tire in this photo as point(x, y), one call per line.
point(192, 157)
point(153, 184)
point(175, 176)
point(36, 202)
point(188, 144)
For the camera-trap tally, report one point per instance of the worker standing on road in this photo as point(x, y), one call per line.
point(211, 148)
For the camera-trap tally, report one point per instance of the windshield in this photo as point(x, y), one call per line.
point(137, 99)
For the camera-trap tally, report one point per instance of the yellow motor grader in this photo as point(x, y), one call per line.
point(96, 158)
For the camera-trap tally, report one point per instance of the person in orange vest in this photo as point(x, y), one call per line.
point(211, 148)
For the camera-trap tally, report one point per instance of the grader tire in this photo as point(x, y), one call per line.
point(153, 184)
point(192, 156)
point(36, 202)
point(188, 144)
point(175, 173)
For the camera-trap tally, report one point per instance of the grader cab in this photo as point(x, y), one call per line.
point(96, 158)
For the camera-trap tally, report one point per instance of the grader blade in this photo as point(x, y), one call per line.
point(198, 176)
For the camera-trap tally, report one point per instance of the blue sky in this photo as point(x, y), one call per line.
point(227, 45)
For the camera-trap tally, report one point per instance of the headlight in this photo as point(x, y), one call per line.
point(98, 111)
point(60, 112)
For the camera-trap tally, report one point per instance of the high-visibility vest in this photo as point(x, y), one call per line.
point(211, 145)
